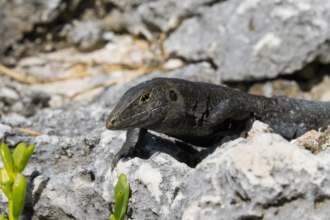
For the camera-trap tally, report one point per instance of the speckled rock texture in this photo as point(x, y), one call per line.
point(264, 37)
point(265, 177)
point(19, 17)
point(70, 174)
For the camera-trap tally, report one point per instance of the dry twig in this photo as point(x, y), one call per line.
point(25, 130)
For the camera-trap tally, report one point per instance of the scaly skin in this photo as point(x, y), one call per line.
point(202, 113)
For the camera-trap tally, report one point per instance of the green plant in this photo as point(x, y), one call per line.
point(121, 198)
point(12, 182)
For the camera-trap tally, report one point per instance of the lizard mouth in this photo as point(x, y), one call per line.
point(114, 124)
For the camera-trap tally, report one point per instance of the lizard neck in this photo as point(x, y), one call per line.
point(252, 103)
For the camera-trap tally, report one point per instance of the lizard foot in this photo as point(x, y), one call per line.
point(121, 154)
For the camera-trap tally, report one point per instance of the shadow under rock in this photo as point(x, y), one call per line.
point(181, 151)
point(30, 199)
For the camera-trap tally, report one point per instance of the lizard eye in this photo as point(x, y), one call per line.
point(145, 97)
point(173, 96)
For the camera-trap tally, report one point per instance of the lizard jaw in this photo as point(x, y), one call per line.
point(138, 119)
point(113, 123)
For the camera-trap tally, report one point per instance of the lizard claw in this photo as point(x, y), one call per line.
point(121, 155)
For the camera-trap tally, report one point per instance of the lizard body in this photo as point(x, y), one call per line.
point(201, 113)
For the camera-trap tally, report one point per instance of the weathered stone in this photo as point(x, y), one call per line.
point(86, 35)
point(258, 128)
point(5, 130)
point(8, 95)
point(71, 174)
point(279, 87)
point(321, 91)
point(313, 141)
point(264, 38)
point(19, 17)
point(265, 177)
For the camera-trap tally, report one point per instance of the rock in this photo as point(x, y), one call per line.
point(86, 35)
point(256, 35)
point(26, 109)
point(173, 64)
point(70, 175)
point(265, 177)
point(25, 102)
point(129, 21)
point(8, 95)
point(121, 50)
point(258, 128)
point(313, 141)
point(279, 87)
point(149, 18)
point(16, 121)
point(321, 91)
point(5, 130)
point(58, 71)
point(19, 17)
point(167, 15)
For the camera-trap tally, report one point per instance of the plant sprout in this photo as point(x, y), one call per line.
point(121, 198)
point(13, 183)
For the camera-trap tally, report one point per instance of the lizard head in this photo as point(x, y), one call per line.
point(143, 106)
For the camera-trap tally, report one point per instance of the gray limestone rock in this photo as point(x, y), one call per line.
point(262, 178)
point(5, 130)
point(19, 17)
point(255, 39)
point(69, 175)
point(86, 35)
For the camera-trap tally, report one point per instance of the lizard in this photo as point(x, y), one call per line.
point(202, 113)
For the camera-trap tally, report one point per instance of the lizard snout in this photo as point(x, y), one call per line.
point(111, 121)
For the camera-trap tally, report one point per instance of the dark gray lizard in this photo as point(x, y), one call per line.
point(201, 113)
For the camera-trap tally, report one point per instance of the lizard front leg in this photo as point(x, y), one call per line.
point(134, 138)
point(229, 108)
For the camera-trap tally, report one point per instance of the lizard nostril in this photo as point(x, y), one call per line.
point(111, 122)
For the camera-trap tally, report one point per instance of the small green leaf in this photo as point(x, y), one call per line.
point(119, 204)
point(2, 218)
point(5, 177)
point(122, 186)
point(19, 190)
point(25, 158)
point(7, 191)
point(7, 159)
point(18, 155)
point(112, 217)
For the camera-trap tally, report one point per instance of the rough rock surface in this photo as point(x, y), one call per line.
point(19, 17)
point(264, 37)
point(287, 88)
point(262, 178)
point(258, 128)
point(320, 91)
point(314, 141)
point(70, 173)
